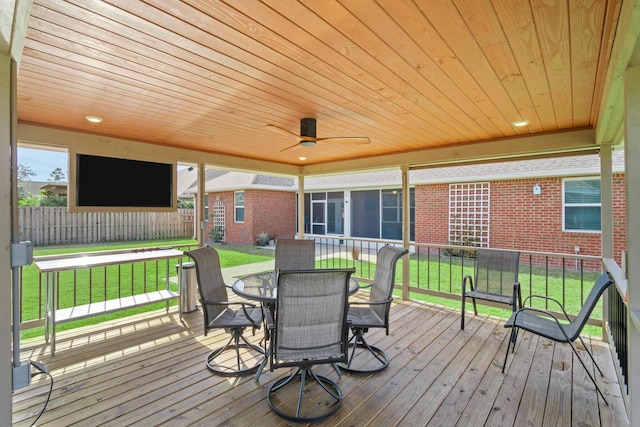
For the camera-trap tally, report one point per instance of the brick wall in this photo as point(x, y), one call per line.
point(273, 212)
point(519, 219)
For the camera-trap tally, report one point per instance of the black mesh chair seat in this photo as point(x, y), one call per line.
point(364, 317)
point(233, 317)
point(502, 299)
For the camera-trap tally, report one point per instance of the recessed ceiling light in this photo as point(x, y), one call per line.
point(94, 119)
point(520, 123)
point(302, 158)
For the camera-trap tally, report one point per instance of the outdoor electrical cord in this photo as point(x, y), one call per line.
point(42, 371)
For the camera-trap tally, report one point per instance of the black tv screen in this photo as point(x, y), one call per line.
point(116, 182)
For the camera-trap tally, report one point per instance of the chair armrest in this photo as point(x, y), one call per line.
point(227, 303)
point(271, 324)
point(466, 279)
point(386, 301)
point(531, 297)
point(517, 296)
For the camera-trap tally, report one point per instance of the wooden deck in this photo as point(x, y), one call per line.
point(149, 370)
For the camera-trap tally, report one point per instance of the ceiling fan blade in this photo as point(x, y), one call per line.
point(346, 139)
point(282, 131)
point(294, 146)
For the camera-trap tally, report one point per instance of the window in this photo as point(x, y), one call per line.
point(206, 207)
point(469, 214)
point(581, 205)
point(238, 206)
point(391, 214)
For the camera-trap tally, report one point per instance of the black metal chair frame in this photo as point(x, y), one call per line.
point(232, 321)
point(358, 311)
point(545, 324)
point(304, 371)
point(513, 299)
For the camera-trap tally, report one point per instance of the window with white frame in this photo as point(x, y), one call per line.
point(238, 206)
point(581, 205)
point(469, 214)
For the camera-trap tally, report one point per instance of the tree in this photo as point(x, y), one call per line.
point(57, 176)
point(25, 174)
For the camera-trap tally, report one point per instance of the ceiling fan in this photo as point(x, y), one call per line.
point(308, 137)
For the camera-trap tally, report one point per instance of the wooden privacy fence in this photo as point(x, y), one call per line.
point(56, 226)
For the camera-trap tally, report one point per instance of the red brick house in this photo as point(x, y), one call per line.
point(546, 205)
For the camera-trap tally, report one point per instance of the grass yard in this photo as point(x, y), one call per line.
point(98, 284)
point(117, 281)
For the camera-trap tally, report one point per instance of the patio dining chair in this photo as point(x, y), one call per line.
point(495, 279)
point(373, 314)
point(295, 254)
point(220, 313)
point(309, 328)
point(547, 325)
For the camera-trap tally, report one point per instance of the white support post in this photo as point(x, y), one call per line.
point(606, 219)
point(301, 206)
point(406, 229)
point(632, 171)
point(6, 367)
point(606, 200)
point(200, 219)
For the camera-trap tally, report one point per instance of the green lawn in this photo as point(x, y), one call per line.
point(111, 282)
point(445, 276)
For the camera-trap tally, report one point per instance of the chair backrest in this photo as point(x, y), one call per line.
point(292, 254)
point(384, 279)
point(574, 329)
point(311, 317)
point(496, 271)
point(210, 282)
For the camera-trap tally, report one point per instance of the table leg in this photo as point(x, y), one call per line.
point(180, 285)
point(47, 305)
point(53, 312)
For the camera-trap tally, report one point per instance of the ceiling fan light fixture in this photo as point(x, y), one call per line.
point(306, 143)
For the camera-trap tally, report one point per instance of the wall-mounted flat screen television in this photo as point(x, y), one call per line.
point(105, 183)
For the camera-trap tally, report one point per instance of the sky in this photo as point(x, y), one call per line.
point(43, 162)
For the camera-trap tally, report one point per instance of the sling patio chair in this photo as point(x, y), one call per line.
point(547, 325)
point(495, 279)
point(294, 254)
point(220, 313)
point(373, 314)
point(309, 328)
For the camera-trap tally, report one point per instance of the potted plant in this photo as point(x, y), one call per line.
point(263, 238)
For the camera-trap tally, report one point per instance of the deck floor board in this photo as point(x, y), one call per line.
point(148, 369)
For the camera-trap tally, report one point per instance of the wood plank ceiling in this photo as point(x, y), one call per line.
point(408, 74)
